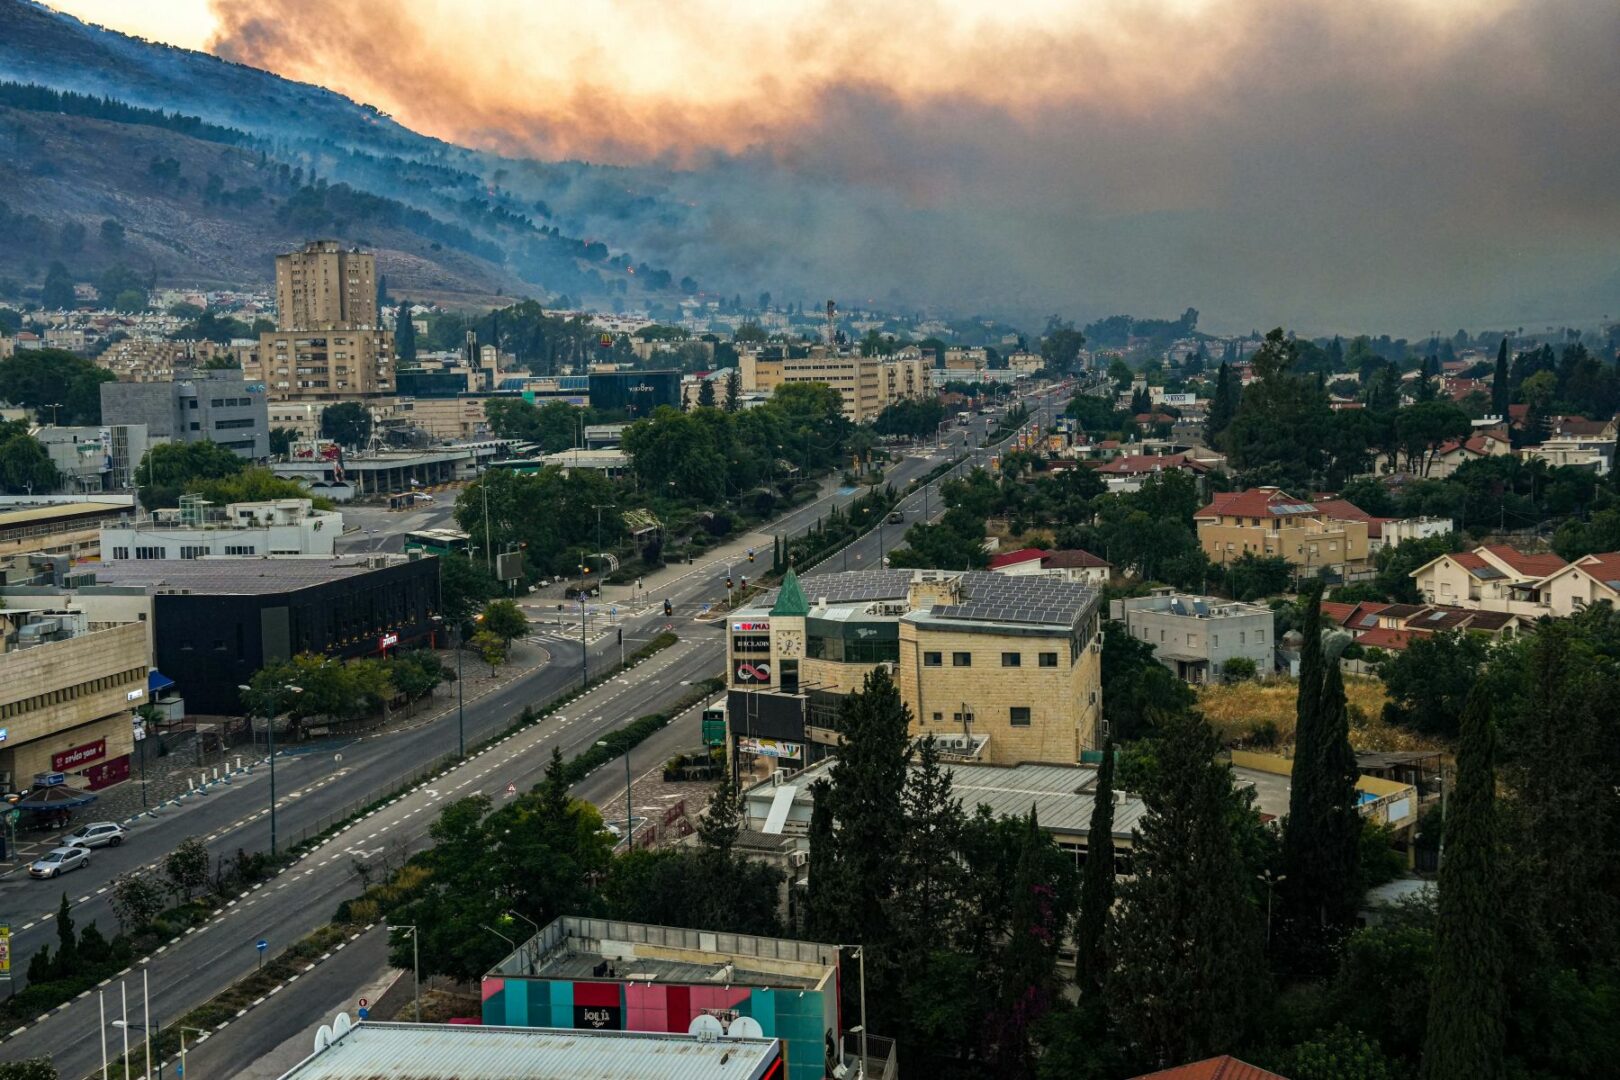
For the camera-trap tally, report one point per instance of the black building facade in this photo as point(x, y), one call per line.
point(218, 621)
point(635, 393)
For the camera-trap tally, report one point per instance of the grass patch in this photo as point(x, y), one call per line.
point(1239, 710)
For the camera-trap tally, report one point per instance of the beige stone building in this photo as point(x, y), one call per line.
point(867, 384)
point(163, 361)
point(68, 691)
point(449, 418)
point(322, 365)
point(1493, 577)
point(1269, 522)
point(326, 287)
point(999, 670)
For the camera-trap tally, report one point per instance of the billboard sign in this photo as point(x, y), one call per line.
point(749, 672)
point(509, 565)
point(79, 755)
point(751, 627)
point(773, 748)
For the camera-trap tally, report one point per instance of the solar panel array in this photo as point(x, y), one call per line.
point(1488, 573)
point(998, 598)
point(856, 585)
point(1292, 508)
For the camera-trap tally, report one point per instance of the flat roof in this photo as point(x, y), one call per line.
point(230, 576)
point(986, 598)
point(611, 950)
point(34, 514)
point(378, 1051)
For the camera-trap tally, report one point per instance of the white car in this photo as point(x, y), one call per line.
point(58, 861)
point(96, 834)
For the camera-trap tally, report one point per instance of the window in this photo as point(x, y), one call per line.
point(1215, 640)
point(962, 719)
point(1048, 659)
point(192, 403)
point(1012, 659)
point(120, 552)
point(1161, 637)
point(192, 551)
point(939, 718)
point(240, 549)
point(1243, 637)
point(149, 553)
point(222, 425)
point(961, 659)
point(1018, 716)
point(196, 426)
point(1260, 635)
point(933, 659)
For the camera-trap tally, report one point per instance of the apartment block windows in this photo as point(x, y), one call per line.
point(1049, 659)
point(1018, 716)
point(1012, 659)
point(961, 659)
point(933, 659)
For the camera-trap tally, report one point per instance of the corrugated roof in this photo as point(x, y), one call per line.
point(1012, 558)
point(467, 1052)
point(245, 576)
point(1009, 791)
point(61, 512)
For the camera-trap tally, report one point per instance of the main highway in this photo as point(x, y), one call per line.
point(323, 780)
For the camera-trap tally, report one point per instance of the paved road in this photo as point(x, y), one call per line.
point(313, 786)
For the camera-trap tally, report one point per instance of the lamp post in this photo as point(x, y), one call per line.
point(183, 1030)
point(629, 837)
point(1271, 882)
point(270, 742)
point(416, 970)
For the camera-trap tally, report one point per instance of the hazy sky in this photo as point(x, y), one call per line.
point(1417, 164)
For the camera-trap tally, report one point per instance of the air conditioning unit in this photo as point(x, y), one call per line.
point(798, 859)
point(1096, 646)
point(779, 776)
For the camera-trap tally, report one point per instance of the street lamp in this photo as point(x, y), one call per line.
point(629, 838)
point(270, 740)
point(416, 970)
point(1271, 882)
point(183, 1030)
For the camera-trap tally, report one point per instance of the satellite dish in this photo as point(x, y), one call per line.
point(745, 1027)
point(323, 1038)
point(341, 1025)
point(705, 1027)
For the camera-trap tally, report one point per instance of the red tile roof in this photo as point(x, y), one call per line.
point(1225, 1067)
point(1381, 638)
point(1578, 425)
point(1537, 566)
point(1604, 565)
point(1470, 562)
point(1344, 510)
point(1013, 558)
point(1337, 612)
point(1073, 559)
point(1256, 502)
point(1364, 617)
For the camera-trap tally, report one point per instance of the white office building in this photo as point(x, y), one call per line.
point(198, 530)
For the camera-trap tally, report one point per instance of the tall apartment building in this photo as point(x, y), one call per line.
point(325, 287)
point(1000, 670)
point(218, 406)
point(328, 344)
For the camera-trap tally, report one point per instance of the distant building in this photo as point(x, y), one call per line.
point(1492, 577)
point(1079, 567)
point(866, 385)
point(71, 528)
point(326, 287)
point(1267, 521)
point(635, 393)
point(93, 459)
point(323, 365)
point(197, 530)
point(217, 406)
point(1196, 636)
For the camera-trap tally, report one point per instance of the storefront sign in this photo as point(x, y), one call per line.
point(761, 627)
point(756, 674)
point(388, 641)
point(79, 755)
point(135, 695)
point(106, 773)
point(49, 779)
point(775, 748)
point(598, 1017)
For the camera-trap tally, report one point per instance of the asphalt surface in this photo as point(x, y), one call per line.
point(321, 780)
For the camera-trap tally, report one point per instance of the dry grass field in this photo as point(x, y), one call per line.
point(1237, 711)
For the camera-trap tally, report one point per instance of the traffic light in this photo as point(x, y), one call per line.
point(728, 582)
point(750, 554)
point(669, 609)
point(745, 581)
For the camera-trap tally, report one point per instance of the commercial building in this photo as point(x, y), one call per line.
point(603, 974)
point(1001, 670)
point(1196, 636)
point(384, 472)
point(471, 1052)
point(68, 688)
point(326, 287)
point(198, 530)
point(866, 384)
point(93, 459)
point(218, 406)
point(215, 622)
point(634, 393)
point(1267, 521)
point(71, 528)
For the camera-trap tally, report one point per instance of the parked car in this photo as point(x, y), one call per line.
point(58, 861)
point(96, 834)
point(896, 517)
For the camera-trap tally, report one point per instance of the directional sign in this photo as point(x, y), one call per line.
point(511, 790)
point(179, 1068)
point(261, 944)
point(364, 1012)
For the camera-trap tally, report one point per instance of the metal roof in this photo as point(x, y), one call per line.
point(379, 1051)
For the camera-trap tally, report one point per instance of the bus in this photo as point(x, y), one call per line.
point(438, 541)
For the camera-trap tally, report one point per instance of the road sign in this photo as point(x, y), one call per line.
point(12, 815)
point(364, 1012)
point(364, 1002)
point(5, 949)
point(179, 1068)
point(511, 790)
point(261, 944)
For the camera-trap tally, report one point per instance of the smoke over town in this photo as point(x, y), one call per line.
point(1411, 163)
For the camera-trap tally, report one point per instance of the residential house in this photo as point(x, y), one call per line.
point(1077, 566)
point(1493, 577)
point(1195, 636)
point(1267, 521)
point(1484, 443)
point(1588, 580)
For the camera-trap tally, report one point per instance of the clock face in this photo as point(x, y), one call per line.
point(788, 644)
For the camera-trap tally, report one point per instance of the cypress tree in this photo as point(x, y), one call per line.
point(1499, 384)
point(1029, 961)
point(1223, 404)
point(67, 947)
point(404, 334)
point(1466, 1030)
point(706, 394)
point(721, 823)
point(823, 906)
point(1184, 982)
point(1096, 883)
